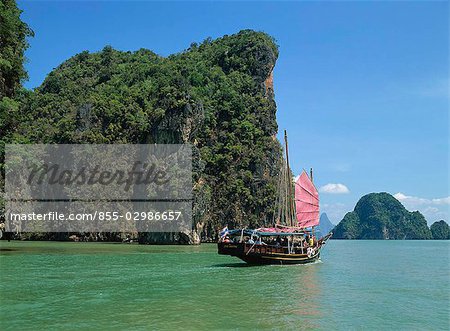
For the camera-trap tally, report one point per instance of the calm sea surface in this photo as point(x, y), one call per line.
point(358, 285)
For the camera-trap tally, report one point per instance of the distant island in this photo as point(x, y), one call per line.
point(381, 216)
point(440, 230)
point(325, 225)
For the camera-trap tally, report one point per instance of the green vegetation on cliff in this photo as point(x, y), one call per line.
point(381, 216)
point(217, 95)
point(440, 230)
point(13, 43)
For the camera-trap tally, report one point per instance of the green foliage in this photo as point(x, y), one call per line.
point(440, 230)
point(381, 216)
point(348, 228)
point(13, 43)
point(213, 95)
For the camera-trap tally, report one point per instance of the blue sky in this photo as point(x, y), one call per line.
point(361, 87)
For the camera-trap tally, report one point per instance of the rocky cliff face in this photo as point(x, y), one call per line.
point(217, 95)
point(381, 216)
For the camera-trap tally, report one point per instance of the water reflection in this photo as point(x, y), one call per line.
point(286, 297)
point(308, 291)
point(300, 306)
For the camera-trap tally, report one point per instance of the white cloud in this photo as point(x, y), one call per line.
point(441, 201)
point(433, 209)
point(334, 189)
point(416, 201)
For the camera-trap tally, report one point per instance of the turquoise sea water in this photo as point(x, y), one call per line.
point(358, 285)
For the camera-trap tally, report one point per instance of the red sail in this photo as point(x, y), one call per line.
point(306, 202)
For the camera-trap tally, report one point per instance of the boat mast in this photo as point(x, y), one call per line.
point(312, 181)
point(290, 206)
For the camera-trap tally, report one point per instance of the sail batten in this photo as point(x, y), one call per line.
point(309, 203)
point(310, 193)
point(306, 202)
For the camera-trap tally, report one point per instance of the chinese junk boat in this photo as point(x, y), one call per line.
point(292, 239)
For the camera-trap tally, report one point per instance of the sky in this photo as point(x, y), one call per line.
point(361, 87)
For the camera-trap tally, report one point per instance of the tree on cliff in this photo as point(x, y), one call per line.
point(381, 216)
point(440, 230)
point(13, 43)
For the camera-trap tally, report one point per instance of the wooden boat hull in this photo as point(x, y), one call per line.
point(260, 254)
